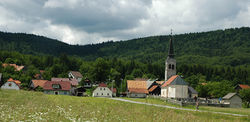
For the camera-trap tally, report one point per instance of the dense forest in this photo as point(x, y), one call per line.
point(218, 58)
point(230, 47)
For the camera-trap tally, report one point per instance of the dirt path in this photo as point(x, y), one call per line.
point(171, 107)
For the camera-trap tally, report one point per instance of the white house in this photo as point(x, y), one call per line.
point(102, 91)
point(75, 75)
point(175, 87)
point(11, 84)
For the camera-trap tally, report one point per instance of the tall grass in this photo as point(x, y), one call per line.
point(35, 106)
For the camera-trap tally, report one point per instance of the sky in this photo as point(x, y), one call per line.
point(95, 21)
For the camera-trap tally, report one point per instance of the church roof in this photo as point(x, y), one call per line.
point(174, 80)
point(171, 48)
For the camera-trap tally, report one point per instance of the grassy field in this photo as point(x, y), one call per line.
point(35, 106)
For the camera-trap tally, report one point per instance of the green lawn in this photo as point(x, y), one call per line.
point(32, 106)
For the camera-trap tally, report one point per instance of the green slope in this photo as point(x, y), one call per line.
point(220, 47)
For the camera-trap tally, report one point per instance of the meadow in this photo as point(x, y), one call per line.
point(36, 106)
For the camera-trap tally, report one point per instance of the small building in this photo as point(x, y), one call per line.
point(11, 84)
point(174, 87)
point(241, 86)
point(57, 88)
point(87, 83)
point(75, 75)
point(102, 91)
point(233, 99)
point(192, 93)
point(155, 90)
point(137, 89)
point(34, 84)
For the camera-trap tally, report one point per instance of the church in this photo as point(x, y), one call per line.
point(174, 86)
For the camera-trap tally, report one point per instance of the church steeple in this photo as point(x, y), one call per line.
point(170, 65)
point(171, 48)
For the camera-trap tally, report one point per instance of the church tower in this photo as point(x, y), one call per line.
point(170, 65)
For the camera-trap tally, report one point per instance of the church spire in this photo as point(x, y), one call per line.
point(171, 48)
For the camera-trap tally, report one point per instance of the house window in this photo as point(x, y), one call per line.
point(55, 86)
point(103, 88)
point(96, 93)
point(10, 84)
point(102, 93)
point(172, 66)
point(100, 88)
point(169, 66)
point(108, 94)
point(56, 92)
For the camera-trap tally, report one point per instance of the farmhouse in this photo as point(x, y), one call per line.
point(34, 84)
point(233, 99)
point(102, 91)
point(57, 88)
point(175, 87)
point(75, 75)
point(11, 84)
point(137, 88)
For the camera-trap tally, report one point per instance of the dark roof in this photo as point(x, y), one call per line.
point(174, 80)
point(229, 95)
point(65, 86)
point(76, 74)
point(192, 90)
point(171, 48)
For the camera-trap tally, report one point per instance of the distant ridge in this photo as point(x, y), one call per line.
point(220, 47)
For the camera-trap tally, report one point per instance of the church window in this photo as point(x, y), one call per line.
point(169, 66)
point(172, 66)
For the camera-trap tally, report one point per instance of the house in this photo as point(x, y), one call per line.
point(102, 91)
point(233, 99)
point(75, 75)
point(11, 84)
point(241, 86)
point(73, 81)
point(154, 88)
point(192, 93)
point(37, 83)
point(79, 91)
point(57, 88)
point(174, 87)
point(137, 89)
point(87, 83)
point(17, 68)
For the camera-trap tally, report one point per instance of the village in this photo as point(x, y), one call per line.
point(173, 89)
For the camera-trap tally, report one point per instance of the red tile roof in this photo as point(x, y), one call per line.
point(132, 90)
point(102, 85)
point(73, 81)
point(65, 86)
point(17, 68)
point(169, 81)
point(16, 81)
point(153, 88)
point(137, 86)
point(244, 86)
point(39, 83)
point(76, 74)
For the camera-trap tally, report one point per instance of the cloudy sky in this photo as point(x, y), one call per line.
point(94, 21)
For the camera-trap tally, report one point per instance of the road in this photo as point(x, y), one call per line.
point(171, 107)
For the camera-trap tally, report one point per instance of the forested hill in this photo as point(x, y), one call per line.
point(220, 47)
